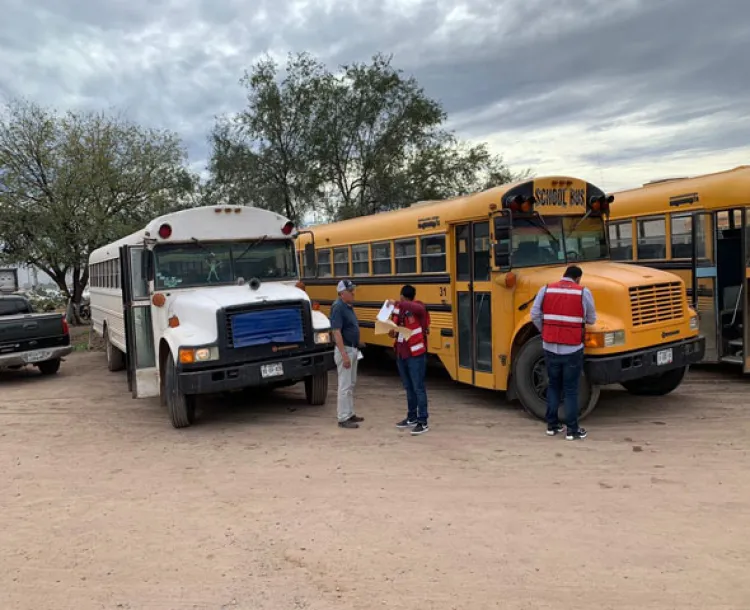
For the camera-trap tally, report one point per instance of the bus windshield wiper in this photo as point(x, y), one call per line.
point(250, 246)
point(542, 225)
point(585, 216)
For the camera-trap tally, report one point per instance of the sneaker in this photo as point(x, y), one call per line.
point(406, 423)
point(348, 424)
point(553, 430)
point(419, 429)
point(577, 435)
point(356, 419)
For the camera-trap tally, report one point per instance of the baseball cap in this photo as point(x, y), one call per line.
point(345, 285)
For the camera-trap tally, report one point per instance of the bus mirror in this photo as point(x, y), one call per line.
point(147, 267)
point(502, 241)
point(502, 254)
point(311, 266)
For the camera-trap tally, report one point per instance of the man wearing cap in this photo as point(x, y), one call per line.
point(345, 327)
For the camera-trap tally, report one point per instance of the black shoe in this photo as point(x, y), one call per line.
point(356, 419)
point(554, 430)
point(419, 429)
point(348, 424)
point(406, 423)
point(577, 435)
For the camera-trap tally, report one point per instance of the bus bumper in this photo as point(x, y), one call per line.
point(249, 375)
point(620, 368)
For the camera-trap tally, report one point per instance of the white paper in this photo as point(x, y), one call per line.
point(359, 354)
point(385, 313)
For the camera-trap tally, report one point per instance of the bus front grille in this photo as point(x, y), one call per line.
point(656, 303)
point(254, 328)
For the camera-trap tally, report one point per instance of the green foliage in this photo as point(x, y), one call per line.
point(363, 139)
point(70, 183)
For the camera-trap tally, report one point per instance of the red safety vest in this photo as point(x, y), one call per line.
point(563, 319)
point(417, 341)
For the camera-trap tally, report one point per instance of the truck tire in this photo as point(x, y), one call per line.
point(49, 367)
point(181, 407)
point(657, 385)
point(316, 388)
point(115, 358)
point(530, 378)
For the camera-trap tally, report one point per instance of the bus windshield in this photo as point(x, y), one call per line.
point(558, 240)
point(211, 263)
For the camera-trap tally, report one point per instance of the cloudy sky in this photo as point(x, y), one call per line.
point(615, 91)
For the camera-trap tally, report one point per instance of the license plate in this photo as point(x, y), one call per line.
point(37, 356)
point(664, 356)
point(271, 370)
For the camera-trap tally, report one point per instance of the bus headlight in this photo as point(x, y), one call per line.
point(323, 337)
point(604, 339)
point(694, 322)
point(189, 355)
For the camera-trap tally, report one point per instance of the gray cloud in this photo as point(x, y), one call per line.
point(514, 67)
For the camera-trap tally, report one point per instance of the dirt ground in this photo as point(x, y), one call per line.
point(266, 504)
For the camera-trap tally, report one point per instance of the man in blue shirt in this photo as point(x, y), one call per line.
point(345, 327)
point(561, 317)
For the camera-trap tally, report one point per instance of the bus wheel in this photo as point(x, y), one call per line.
point(530, 377)
point(181, 408)
point(115, 358)
point(316, 388)
point(657, 385)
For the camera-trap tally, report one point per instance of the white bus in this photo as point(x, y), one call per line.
point(208, 300)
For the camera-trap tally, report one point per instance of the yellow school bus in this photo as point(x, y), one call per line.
point(697, 228)
point(477, 263)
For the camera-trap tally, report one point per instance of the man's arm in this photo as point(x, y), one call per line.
point(536, 308)
point(337, 323)
point(589, 309)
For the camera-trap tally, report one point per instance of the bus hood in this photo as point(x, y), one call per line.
point(213, 299)
point(597, 275)
point(196, 309)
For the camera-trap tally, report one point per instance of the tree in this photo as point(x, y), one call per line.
point(266, 155)
point(70, 183)
point(360, 140)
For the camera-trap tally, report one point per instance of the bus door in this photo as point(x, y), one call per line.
point(730, 283)
point(746, 292)
point(704, 284)
point(473, 302)
point(143, 380)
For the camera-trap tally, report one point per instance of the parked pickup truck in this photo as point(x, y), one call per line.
point(28, 338)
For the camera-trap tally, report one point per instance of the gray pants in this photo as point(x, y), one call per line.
point(347, 379)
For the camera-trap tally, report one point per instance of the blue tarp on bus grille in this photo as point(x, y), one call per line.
point(267, 326)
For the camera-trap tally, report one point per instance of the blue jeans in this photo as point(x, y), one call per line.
point(564, 373)
point(412, 371)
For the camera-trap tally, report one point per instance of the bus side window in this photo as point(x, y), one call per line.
point(433, 254)
point(652, 238)
point(621, 240)
point(682, 236)
point(406, 256)
point(341, 262)
point(381, 258)
point(361, 259)
point(324, 263)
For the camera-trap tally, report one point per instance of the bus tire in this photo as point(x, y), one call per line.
point(657, 385)
point(49, 367)
point(115, 358)
point(530, 378)
point(316, 388)
point(180, 406)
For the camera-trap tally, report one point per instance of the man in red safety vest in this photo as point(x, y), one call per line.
point(411, 357)
point(561, 312)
